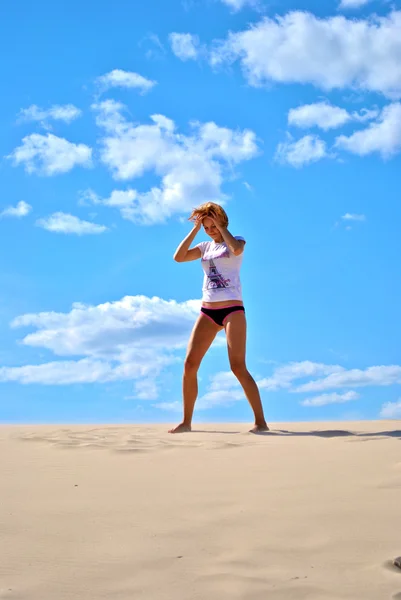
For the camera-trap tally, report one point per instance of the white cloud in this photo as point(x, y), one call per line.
point(365, 114)
point(372, 376)
point(326, 116)
point(353, 217)
point(63, 372)
point(383, 136)
point(284, 375)
point(391, 410)
point(191, 167)
point(134, 338)
point(50, 155)
point(125, 201)
point(185, 45)
point(307, 150)
point(330, 53)
point(353, 3)
point(223, 390)
point(333, 398)
point(223, 380)
point(146, 389)
point(124, 79)
point(66, 113)
point(239, 4)
point(60, 222)
point(320, 114)
point(155, 50)
point(175, 406)
point(103, 330)
point(21, 210)
point(219, 398)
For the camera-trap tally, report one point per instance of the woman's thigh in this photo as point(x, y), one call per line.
point(235, 326)
point(202, 336)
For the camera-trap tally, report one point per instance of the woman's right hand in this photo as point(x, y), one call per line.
point(197, 224)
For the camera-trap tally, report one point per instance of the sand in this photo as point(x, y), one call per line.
point(308, 511)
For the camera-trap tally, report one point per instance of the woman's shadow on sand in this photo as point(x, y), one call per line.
point(323, 433)
point(332, 433)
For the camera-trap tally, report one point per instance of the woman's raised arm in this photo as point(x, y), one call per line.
point(183, 253)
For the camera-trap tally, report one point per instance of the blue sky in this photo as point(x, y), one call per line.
point(116, 120)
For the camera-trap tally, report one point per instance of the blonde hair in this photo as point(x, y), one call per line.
point(205, 210)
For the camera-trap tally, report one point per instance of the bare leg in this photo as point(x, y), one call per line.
point(235, 326)
point(202, 336)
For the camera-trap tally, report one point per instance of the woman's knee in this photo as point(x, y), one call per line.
point(238, 367)
point(191, 364)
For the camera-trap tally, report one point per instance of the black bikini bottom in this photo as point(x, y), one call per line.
point(218, 315)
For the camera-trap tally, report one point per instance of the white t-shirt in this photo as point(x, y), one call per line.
point(221, 268)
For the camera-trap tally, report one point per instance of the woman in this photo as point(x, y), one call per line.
point(222, 308)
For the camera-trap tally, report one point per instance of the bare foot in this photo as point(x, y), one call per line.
point(259, 427)
point(181, 428)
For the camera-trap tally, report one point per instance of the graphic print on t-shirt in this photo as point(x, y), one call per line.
point(214, 278)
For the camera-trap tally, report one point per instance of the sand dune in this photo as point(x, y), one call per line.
point(307, 511)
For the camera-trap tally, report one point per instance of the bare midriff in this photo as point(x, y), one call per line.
point(222, 304)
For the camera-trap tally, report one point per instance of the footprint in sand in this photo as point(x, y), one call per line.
point(393, 565)
point(131, 450)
